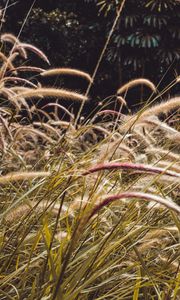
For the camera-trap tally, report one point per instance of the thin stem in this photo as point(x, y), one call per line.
point(102, 55)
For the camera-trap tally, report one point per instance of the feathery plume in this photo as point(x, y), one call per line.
point(52, 92)
point(108, 112)
point(17, 213)
point(18, 89)
point(33, 49)
point(131, 166)
point(158, 124)
point(140, 196)
point(29, 69)
point(138, 81)
point(23, 209)
point(63, 124)
point(21, 176)
point(155, 110)
point(121, 100)
point(8, 37)
point(67, 71)
point(163, 107)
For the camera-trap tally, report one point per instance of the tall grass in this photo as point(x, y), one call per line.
point(72, 221)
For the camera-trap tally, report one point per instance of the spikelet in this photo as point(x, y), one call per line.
point(21, 176)
point(29, 69)
point(138, 81)
point(134, 195)
point(17, 213)
point(33, 49)
point(163, 107)
point(17, 89)
point(131, 166)
point(121, 100)
point(67, 71)
point(159, 125)
point(155, 111)
point(108, 112)
point(63, 124)
point(8, 37)
point(51, 92)
point(23, 209)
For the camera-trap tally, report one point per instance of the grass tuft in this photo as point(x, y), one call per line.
point(88, 210)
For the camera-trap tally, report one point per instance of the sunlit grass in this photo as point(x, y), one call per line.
point(90, 210)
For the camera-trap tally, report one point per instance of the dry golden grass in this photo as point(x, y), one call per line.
point(88, 211)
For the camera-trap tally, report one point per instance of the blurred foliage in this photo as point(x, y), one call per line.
point(73, 33)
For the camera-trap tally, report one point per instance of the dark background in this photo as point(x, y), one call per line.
point(73, 33)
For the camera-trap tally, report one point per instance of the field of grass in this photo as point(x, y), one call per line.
point(89, 208)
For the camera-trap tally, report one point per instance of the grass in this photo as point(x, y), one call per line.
point(89, 210)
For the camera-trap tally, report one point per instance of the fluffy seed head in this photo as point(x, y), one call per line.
point(131, 166)
point(140, 196)
point(67, 71)
point(33, 49)
point(163, 107)
point(51, 92)
point(138, 81)
point(19, 176)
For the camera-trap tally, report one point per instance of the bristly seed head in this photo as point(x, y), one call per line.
point(67, 71)
point(138, 81)
point(52, 92)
